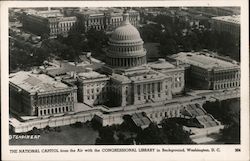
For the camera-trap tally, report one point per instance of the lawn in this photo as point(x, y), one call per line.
point(68, 135)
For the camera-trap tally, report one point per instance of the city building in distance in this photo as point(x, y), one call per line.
point(104, 19)
point(208, 71)
point(124, 84)
point(230, 24)
point(50, 23)
point(54, 22)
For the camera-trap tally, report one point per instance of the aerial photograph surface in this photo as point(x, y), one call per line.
point(124, 75)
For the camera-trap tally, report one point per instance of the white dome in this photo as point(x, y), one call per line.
point(126, 32)
point(125, 47)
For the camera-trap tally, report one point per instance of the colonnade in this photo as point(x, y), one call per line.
point(165, 114)
point(225, 85)
point(55, 99)
point(226, 75)
point(54, 110)
point(226, 79)
point(127, 62)
point(148, 90)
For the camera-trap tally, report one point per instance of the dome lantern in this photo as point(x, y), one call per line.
point(126, 19)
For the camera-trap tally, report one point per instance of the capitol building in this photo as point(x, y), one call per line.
point(124, 85)
point(128, 79)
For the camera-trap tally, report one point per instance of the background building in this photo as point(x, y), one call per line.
point(216, 11)
point(104, 19)
point(208, 71)
point(230, 24)
point(48, 23)
point(57, 21)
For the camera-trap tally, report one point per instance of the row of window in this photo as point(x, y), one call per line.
point(57, 31)
point(126, 61)
point(148, 97)
point(95, 21)
point(54, 110)
point(68, 24)
point(97, 90)
point(126, 49)
point(176, 85)
point(148, 88)
point(97, 27)
point(117, 20)
point(226, 85)
point(96, 84)
point(226, 76)
point(54, 99)
point(93, 97)
point(171, 113)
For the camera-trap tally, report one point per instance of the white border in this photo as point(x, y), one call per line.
point(227, 151)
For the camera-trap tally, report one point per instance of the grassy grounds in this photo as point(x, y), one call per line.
point(67, 135)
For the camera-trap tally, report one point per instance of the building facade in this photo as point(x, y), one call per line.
point(54, 22)
point(40, 95)
point(208, 71)
point(175, 72)
point(104, 19)
point(50, 23)
point(229, 24)
point(93, 88)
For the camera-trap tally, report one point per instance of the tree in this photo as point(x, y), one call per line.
point(151, 135)
point(231, 133)
point(96, 39)
point(151, 32)
point(175, 133)
point(168, 45)
point(228, 113)
point(106, 136)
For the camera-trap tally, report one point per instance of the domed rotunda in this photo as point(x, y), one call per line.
point(125, 47)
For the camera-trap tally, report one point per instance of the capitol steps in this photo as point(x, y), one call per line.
point(197, 112)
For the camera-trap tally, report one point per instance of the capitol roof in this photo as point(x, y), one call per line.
point(45, 14)
point(91, 75)
point(161, 64)
point(32, 82)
